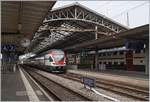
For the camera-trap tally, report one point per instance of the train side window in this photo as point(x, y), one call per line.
point(109, 63)
point(115, 63)
point(108, 54)
point(104, 54)
point(115, 53)
point(141, 61)
point(121, 52)
point(137, 51)
point(50, 59)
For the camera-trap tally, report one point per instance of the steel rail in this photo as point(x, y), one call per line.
point(44, 81)
point(109, 86)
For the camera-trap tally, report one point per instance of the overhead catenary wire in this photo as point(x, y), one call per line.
point(106, 3)
point(129, 9)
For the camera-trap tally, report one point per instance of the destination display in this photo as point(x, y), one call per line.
point(8, 47)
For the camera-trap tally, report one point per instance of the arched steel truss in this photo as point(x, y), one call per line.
point(70, 25)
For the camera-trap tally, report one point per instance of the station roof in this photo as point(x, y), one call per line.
point(22, 19)
point(117, 40)
point(70, 25)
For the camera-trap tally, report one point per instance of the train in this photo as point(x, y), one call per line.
point(53, 60)
point(113, 59)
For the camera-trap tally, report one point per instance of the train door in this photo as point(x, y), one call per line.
point(75, 59)
point(129, 60)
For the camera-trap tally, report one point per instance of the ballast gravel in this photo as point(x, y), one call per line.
point(79, 87)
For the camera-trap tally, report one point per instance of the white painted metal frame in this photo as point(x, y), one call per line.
point(76, 13)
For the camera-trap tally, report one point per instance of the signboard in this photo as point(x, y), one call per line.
point(90, 82)
point(134, 44)
point(8, 47)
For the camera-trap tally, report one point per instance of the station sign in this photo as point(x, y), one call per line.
point(134, 44)
point(8, 47)
point(90, 82)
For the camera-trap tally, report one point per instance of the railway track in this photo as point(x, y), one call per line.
point(59, 92)
point(127, 91)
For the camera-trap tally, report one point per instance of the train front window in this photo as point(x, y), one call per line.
point(58, 57)
point(50, 59)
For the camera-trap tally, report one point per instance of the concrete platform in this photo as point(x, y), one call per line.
point(13, 88)
point(121, 73)
point(17, 86)
point(112, 76)
point(127, 73)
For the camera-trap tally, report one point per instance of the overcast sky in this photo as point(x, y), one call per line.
point(138, 11)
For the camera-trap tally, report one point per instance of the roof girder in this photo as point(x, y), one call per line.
point(79, 13)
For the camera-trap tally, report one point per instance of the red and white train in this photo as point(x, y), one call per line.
point(53, 61)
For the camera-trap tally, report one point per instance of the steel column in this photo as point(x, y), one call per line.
point(147, 59)
point(96, 59)
point(96, 36)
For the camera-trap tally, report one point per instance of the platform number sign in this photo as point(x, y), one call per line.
point(90, 82)
point(8, 47)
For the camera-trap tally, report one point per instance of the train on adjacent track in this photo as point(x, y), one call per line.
point(113, 59)
point(53, 60)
